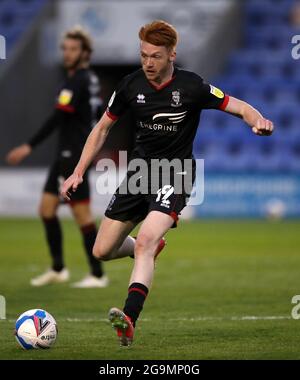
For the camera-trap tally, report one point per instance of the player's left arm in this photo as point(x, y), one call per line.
point(259, 125)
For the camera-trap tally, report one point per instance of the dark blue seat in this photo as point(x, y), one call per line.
point(264, 74)
point(16, 16)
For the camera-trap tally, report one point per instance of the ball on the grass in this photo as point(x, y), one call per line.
point(36, 328)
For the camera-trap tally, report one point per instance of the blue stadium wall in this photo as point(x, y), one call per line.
point(262, 195)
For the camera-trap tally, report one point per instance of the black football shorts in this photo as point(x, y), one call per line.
point(166, 197)
point(58, 173)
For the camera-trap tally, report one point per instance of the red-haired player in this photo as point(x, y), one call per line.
point(166, 102)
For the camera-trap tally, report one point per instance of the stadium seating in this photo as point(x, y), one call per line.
point(16, 16)
point(263, 73)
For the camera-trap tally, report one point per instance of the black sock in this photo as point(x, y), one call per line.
point(89, 233)
point(137, 294)
point(54, 239)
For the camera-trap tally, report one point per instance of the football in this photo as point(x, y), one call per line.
point(36, 329)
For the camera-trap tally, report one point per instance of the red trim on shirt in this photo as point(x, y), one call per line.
point(111, 115)
point(225, 102)
point(65, 108)
point(160, 87)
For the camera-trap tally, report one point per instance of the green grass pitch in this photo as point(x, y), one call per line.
point(222, 290)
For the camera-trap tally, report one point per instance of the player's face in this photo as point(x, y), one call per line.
point(72, 53)
point(156, 60)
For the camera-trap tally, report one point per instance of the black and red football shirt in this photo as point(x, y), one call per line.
point(166, 116)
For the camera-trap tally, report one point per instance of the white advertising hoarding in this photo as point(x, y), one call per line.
point(114, 24)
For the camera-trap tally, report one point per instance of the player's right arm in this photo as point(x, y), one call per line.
point(66, 105)
point(19, 153)
point(92, 146)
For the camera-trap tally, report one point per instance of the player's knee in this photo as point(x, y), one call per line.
point(46, 212)
point(145, 244)
point(82, 214)
point(97, 252)
point(100, 253)
point(84, 221)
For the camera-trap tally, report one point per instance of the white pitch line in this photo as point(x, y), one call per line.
point(236, 318)
point(196, 319)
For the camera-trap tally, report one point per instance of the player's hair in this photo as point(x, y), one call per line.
point(159, 33)
point(80, 34)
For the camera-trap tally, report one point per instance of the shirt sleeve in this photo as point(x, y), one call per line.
point(46, 129)
point(212, 97)
point(118, 103)
point(71, 95)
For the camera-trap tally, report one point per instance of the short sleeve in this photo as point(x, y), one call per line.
point(212, 97)
point(117, 104)
point(71, 95)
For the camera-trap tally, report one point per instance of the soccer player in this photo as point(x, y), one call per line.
point(166, 103)
point(77, 105)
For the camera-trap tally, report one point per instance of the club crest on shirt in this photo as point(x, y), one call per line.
point(65, 97)
point(176, 101)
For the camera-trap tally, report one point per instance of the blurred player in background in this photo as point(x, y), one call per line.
point(166, 102)
point(77, 108)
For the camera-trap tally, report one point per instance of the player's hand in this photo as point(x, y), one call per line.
point(16, 155)
point(263, 127)
point(70, 185)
